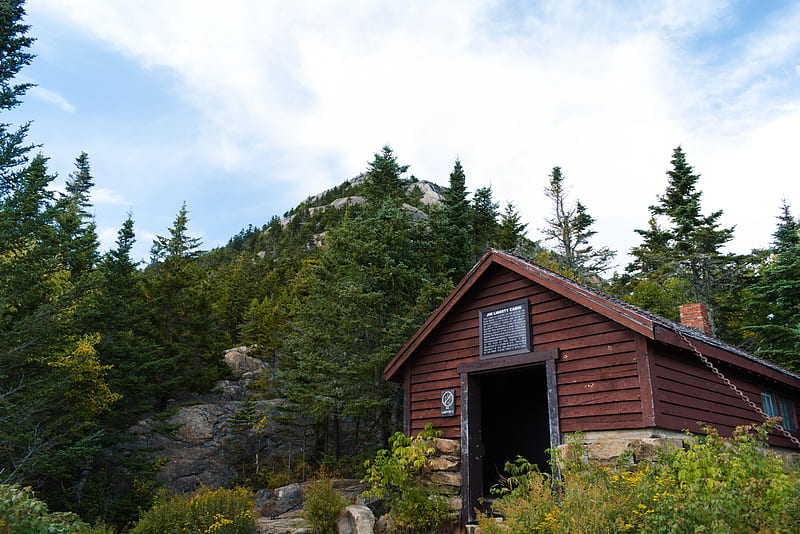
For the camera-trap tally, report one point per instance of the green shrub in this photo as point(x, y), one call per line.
point(396, 476)
point(718, 485)
point(322, 505)
point(220, 511)
point(21, 512)
point(732, 485)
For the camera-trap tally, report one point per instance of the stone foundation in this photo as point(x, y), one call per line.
point(641, 445)
point(445, 470)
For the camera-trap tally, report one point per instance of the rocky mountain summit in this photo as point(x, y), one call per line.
point(428, 193)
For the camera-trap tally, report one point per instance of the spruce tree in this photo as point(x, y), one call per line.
point(450, 223)
point(384, 182)
point(182, 312)
point(76, 225)
point(14, 56)
point(483, 222)
point(774, 302)
point(510, 232)
point(124, 320)
point(682, 261)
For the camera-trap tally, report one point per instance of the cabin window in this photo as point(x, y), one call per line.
point(770, 404)
point(787, 414)
point(777, 407)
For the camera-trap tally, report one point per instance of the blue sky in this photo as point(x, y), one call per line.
point(244, 108)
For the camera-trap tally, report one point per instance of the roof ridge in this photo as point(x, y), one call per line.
point(694, 333)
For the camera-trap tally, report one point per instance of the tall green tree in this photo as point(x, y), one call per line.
point(182, 311)
point(483, 221)
point(125, 323)
point(774, 297)
point(377, 277)
point(53, 386)
point(681, 261)
point(511, 231)
point(450, 222)
point(76, 223)
point(384, 181)
point(570, 228)
point(15, 44)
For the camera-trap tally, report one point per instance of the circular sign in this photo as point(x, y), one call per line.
point(448, 399)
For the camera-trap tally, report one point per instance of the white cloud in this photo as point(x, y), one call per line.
point(604, 90)
point(108, 196)
point(52, 97)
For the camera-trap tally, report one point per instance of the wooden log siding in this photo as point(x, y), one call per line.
point(598, 381)
point(686, 392)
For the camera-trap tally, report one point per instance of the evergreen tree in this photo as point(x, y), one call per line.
point(483, 222)
point(76, 224)
point(124, 320)
point(571, 228)
point(450, 223)
point(510, 232)
point(774, 302)
point(52, 385)
point(383, 181)
point(14, 55)
point(182, 312)
point(682, 262)
point(377, 277)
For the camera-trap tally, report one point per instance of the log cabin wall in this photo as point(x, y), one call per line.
point(598, 370)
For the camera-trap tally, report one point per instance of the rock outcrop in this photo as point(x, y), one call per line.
point(196, 440)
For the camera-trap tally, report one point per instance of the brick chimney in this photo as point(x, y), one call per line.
point(695, 316)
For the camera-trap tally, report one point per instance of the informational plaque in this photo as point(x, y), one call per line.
point(505, 329)
point(448, 402)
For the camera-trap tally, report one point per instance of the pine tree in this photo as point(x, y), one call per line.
point(14, 55)
point(124, 320)
point(377, 277)
point(76, 224)
point(511, 231)
point(483, 222)
point(774, 301)
point(570, 228)
point(383, 181)
point(450, 223)
point(182, 312)
point(682, 262)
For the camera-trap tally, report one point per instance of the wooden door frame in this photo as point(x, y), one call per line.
point(471, 439)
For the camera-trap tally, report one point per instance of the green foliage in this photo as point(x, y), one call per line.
point(774, 297)
point(377, 277)
point(220, 511)
point(511, 231)
point(321, 506)
point(21, 512)
point(396, 475)
point(483, 221)
point(717, 485)
point(684, 253)
point(384, 182)
point(570, 228)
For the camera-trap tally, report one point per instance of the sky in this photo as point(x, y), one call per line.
point(242, 109)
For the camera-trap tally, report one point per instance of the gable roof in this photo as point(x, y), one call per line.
point(641, 321)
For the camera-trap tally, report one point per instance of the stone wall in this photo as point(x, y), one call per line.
point(445, 470)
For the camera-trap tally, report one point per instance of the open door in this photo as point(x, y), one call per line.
point(506, 412)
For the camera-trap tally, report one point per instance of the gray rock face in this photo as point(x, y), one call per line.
point(196, 439)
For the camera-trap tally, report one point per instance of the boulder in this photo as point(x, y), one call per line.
point(242, 364)
point(355, 519)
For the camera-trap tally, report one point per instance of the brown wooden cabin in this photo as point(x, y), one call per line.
point(518, 355)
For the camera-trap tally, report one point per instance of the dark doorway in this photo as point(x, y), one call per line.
point(514, 420)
